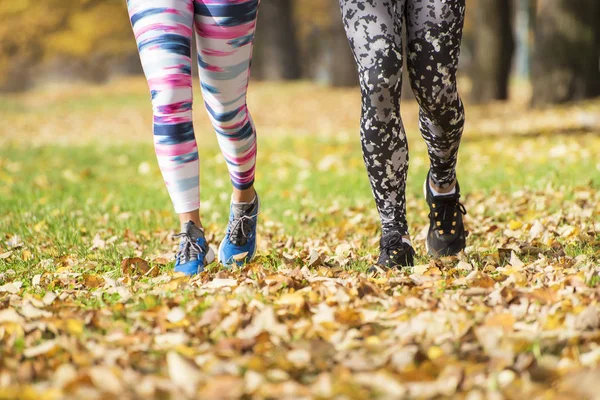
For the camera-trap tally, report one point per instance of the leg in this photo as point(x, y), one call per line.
point(434, 33)
point(374, 33)
point(434, 36)
point(225, 34)
point(163, 31)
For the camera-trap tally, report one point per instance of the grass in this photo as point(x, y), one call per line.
point(56, 198)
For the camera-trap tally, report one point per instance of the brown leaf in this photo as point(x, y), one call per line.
point(589, 319)
point(10, 315)
point(92, 281)
point(105, 380)
point(183, 373)
point(582, 384)
point(222, 387)
point(43, 348)
point(11, 287)
point(134, 266)
point(348, 316)
point(505, 321)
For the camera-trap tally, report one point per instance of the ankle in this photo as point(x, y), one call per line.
point(193, 216)
point(440, 191)
point(244, 196)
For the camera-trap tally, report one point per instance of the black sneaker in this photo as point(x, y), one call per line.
point(394, 253)
point(447, 235)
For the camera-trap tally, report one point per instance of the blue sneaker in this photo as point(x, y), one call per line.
point(239, 245)
point(194, 253)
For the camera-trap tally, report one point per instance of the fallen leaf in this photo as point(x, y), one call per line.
point(134, 266)
point(515, 262)
point(10, 315)
point(299, 357)
point(35, 281)
point(223, 387)
point(11, 287)
point(92, 281)
point(183, 373)
point(64, 375)
point(589, 319)
point(505, 321)
point(49, 298)
point(105, 380)
point(175, 315)
point(43, 348)
point(221, 283)
point(98, 243)
point(31, 312)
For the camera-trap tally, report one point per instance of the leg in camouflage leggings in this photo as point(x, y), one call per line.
point(434, 30)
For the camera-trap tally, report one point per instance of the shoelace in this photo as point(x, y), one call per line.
point(445, 213)
point(189, 245)
point(239, 229)
point(392, 245)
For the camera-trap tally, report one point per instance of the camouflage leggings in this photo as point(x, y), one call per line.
point(434, 32)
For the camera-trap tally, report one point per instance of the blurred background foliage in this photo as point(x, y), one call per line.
point(552, 44)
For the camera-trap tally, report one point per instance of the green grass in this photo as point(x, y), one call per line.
point(56, 199)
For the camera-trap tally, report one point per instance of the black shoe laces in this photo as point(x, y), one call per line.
point(241, 228)
point(188, 249)
point(394, 251)
point(444, 213)
point(391, 243)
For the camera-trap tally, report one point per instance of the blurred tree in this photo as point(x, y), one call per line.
point(342, 68)
point(494, 48)
point(313, 22)
point(567, 51)
point(276, 53)
point(70, 38)
point(92, 40)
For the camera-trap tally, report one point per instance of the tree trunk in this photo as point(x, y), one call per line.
point(494, 48)
point(567, 51)
point(276, 56)
point(342, 67)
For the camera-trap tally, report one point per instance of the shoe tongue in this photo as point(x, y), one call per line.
point(395, 239)
point(241, 209)
point(191, 229)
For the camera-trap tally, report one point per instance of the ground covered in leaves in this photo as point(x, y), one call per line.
point(89, 307)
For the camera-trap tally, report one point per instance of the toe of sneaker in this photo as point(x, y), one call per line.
point(190, 268)
point(233, 255)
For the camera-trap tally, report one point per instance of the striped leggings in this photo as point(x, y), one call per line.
point(224, 34)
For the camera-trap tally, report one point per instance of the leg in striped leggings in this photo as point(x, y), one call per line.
point(225, 32)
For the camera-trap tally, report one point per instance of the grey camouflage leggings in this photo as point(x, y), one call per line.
point(434, 30)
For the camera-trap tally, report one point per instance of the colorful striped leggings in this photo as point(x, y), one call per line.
point(224, 33)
